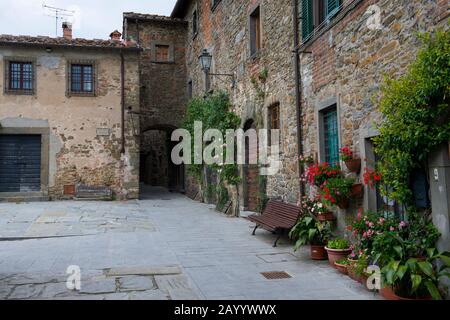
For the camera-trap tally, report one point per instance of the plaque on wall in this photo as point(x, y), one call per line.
point(103, 132)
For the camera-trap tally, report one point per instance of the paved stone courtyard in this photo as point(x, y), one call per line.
point(164, 247)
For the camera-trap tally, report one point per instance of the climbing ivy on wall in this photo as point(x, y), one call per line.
point(214, 111)
point(416, 110)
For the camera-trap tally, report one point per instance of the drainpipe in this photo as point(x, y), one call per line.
point(122, 100)
point(298, 94)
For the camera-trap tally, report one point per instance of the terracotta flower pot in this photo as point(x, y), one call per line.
point(353, 165)
point(343, 204)
point(352, 274)
point(341, 267)
point(329, 216)
point(318, 253)
point(337, 254)
point(389, 294)
point(357, 190)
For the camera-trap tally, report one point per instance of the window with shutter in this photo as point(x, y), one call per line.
point(162, 53)
point(255, 32)
point(307, 19)
point(330, 135)
point(331, 8)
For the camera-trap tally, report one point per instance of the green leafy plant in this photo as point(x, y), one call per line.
point(416, 278)
point(338, 244)
point(310, 231)
point(214, 111)
point(343, 262)
point(416, 110)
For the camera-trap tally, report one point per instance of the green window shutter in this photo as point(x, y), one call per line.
point(331, 8)
point(331, 136)
point(307, 19)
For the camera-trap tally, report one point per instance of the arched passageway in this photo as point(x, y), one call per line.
point(157, 168)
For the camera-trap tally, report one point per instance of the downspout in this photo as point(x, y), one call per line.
point(122, 100)
point(298, 94)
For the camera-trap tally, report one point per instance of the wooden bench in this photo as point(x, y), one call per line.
point(278, 217)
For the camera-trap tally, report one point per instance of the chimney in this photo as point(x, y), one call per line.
point(115, 35)
point(67, 30)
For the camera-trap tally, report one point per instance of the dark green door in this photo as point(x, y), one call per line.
point(20, 163)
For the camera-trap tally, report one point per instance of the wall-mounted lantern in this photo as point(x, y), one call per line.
point(205, 60)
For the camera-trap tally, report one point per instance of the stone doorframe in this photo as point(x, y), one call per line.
point(44, 132)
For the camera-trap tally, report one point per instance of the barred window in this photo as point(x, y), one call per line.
point(21, 76)
point(81, 78)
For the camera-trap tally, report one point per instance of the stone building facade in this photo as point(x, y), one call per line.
point(249, 39)
point(343, 63)
point(164, 93)
point(62, 120)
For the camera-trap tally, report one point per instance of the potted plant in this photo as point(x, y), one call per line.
point(310, 231)
point(357, 190)
point(316, 208)
point(318, 174)
point(337, 190)
point(337, 249)
point(321, 212)
point(413, 279)
point(352, 163)
point(342, 265)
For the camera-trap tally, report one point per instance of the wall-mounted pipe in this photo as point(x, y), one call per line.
point(298, 93)
point(122, 101)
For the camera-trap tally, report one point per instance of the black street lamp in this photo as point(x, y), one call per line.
point(205, 60)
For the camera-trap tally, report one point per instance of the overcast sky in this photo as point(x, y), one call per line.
point(93, 18)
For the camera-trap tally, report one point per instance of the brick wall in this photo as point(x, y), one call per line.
point(348, 63)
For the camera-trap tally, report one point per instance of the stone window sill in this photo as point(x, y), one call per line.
point(19, 92)
point(163, 62)
point(81, 94)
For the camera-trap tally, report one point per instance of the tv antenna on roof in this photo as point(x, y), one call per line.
point(58, 14)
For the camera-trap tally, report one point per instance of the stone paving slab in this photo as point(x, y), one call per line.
point(154, 249)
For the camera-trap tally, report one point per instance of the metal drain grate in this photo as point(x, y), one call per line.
point(274, 275)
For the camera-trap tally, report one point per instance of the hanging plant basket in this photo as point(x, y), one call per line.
point(353, 165)
point(329, 216)
point(357, 190)
point(343, 203)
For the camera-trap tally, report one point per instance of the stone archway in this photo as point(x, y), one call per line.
point(251, 171)
point(157, 168)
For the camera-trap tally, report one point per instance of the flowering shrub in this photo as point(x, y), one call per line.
point(365, 227)
point(346, 153)
point(371, 177)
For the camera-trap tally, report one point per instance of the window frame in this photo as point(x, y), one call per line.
point(321, 109)
point(318, 18)
point(7, 76)
point(330, 157)
point(69, 91)
point(155, 44)
point(195, 22)
point(275, 108)
point(166, 53)
point(255, 31)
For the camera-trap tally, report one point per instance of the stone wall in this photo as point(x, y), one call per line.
point(85, 132)
point(224, 31)
point(163, 89)
point(163, 84)
point(348, 63)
